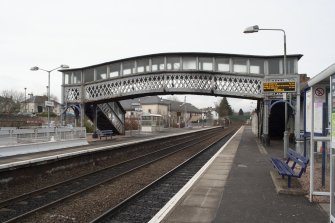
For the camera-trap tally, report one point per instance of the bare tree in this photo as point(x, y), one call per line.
point(15, 95)
point(10, 101)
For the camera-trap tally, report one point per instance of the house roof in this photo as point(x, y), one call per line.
point(130, 104)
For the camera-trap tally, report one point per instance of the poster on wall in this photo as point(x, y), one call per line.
point(318, 113)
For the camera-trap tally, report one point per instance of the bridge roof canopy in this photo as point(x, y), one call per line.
point(185, 54)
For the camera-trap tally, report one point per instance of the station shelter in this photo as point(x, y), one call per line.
point(151, 122)
point(319, 134)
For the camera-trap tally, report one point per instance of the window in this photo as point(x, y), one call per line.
point(173, 63)
point(128, 67)
point(205, 63)
point(157, 64)
point(143, 66)
point(101, 72)
point(114, 70)
point(239, 65)
point(67, 78)
point(189, 63)
point(290, 66)
point(89, 75)
point(77, 77)
point(273, 66)
point(256, 66)
point(222, 64)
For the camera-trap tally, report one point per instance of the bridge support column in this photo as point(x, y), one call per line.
point(265, 135)
point(95, 117)
point(82, 114)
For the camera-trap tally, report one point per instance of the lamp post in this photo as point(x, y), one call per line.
point(254, 29)
point(48, 103)
point(25, 99)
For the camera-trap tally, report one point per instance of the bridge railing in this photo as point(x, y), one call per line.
point(10, 136)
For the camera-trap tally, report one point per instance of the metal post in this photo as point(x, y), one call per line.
point(25, 99)
point(298, 137)
point(82, 114)
point(286, 134)
point(311, 174)
point(49, 98)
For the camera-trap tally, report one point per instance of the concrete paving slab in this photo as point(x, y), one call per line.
point(211, 183)
point(227, 166)
point(218, 171)
point(205, 190)
point(185, 214)
point(211, 199)
point(215, 176)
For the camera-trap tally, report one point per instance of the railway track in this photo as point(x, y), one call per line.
point(143, 205)
point(20, 207)
point(23, 180)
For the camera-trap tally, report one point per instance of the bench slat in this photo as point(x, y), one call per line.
point(283, 168)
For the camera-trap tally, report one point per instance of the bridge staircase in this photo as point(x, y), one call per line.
point(110, 116)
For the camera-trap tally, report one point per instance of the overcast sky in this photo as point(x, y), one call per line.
point(48, 33)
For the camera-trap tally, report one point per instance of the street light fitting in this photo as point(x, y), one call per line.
point(64, 66)
point(34, 68)
point(251, 29)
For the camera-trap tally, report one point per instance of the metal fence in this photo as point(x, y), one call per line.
point(14, 136)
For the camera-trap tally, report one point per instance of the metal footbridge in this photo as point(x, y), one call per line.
point(95, 90)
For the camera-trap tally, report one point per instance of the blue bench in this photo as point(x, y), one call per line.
point(288, 168)
point(105, 133)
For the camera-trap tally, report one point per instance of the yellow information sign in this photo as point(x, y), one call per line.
point(279, 87)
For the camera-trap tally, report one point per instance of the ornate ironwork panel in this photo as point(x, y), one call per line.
point(238, 86)
point(161, 83)
point(73, 94)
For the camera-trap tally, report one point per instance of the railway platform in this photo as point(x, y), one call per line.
point(236, 186)
point(130, 137)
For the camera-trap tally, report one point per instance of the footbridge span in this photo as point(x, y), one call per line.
point(95, 90)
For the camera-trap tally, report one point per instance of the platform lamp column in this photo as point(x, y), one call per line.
point(25, 99)
point(254, 29)
point(49, 103)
